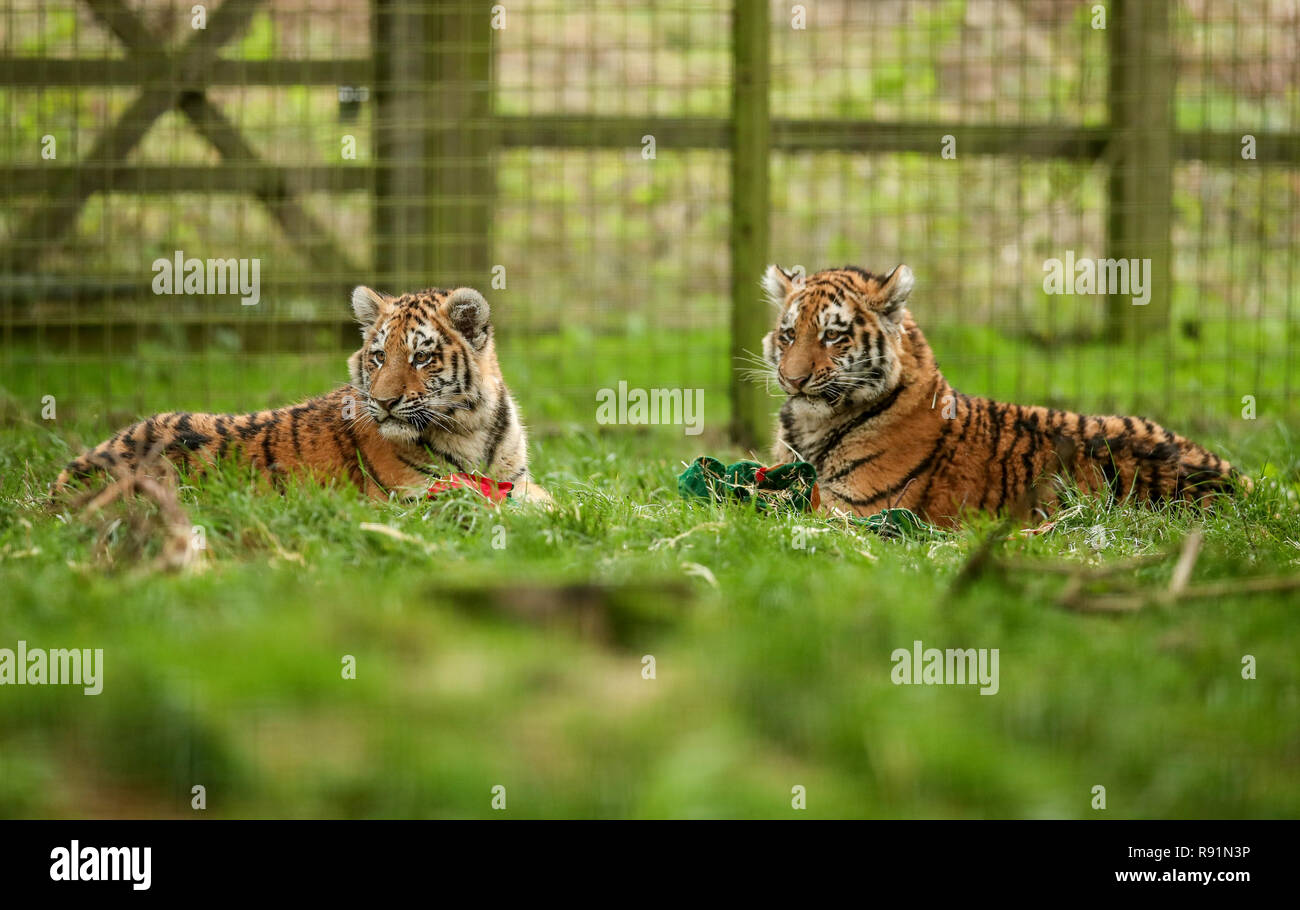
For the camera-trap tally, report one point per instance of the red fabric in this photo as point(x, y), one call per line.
point(492, 490)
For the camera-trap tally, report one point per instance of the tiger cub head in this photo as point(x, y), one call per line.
point(838, 335)
point(425, 358)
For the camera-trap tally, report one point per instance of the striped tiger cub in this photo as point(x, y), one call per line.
point(426, 398)
point(869, 408)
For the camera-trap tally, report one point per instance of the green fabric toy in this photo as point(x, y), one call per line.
point(792, 485)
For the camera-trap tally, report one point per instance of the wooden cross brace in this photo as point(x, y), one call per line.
point(52, 221)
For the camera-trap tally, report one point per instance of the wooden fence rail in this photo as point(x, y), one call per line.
point(433, 182)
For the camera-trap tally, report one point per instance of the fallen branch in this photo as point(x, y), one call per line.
point(980, 559)
point(178, 548)
point(1128, 603)
point(1123, 596)
point(1186, 562)
point(1089, 572)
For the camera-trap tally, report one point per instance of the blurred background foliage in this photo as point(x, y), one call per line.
point(612, 256)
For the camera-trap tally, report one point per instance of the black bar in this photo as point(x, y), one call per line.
point(926, 858)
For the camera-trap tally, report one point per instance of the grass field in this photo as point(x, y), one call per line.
point(507, 647)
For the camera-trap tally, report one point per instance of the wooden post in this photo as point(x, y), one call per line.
point(461, 165)
point(750, 149)
point(435, 139)
point(1141, 183)
point(401, 202)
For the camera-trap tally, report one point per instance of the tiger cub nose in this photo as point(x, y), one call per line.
point(387, 404)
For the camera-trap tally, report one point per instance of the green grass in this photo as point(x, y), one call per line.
point(772, 661)
point(521, 666)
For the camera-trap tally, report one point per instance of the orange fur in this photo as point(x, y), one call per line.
point(870, 409)
point(427, 397)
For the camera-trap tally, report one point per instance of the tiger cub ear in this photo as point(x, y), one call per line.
point(468, 311)
point(367, 304)
point(777, 284)
point(894, 290)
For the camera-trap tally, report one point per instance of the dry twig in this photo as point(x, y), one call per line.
point(153, 478)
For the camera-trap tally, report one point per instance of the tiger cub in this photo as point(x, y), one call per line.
point(426, 398)
point(869, 408)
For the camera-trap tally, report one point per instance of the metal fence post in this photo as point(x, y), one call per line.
point(750, 149)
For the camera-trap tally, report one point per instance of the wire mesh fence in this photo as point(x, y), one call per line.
point(572, 158)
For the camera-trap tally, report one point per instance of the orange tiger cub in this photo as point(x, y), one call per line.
point(426, 398)
point(869, 408)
